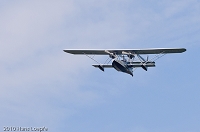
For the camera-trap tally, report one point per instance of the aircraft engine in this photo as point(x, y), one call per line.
point(111, 55)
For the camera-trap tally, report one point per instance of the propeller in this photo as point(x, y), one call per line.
point(143, 61)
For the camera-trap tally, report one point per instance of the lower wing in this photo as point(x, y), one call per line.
point(132, 64)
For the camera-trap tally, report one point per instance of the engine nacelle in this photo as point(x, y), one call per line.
point(111, 55)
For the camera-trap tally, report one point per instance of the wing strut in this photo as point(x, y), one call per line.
point(158, 57)
point(99, 66)
point(144, 62)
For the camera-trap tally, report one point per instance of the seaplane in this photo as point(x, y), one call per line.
point(125, 60)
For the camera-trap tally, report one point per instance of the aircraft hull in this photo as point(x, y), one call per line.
point(121, 66)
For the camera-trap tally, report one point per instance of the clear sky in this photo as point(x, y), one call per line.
point(40, 85)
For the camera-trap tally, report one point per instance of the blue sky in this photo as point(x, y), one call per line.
point(43, 86)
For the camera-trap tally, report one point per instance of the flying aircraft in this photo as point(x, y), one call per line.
point(125, 60)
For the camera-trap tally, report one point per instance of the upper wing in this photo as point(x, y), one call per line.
point(86, 51)
point(119, 51)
